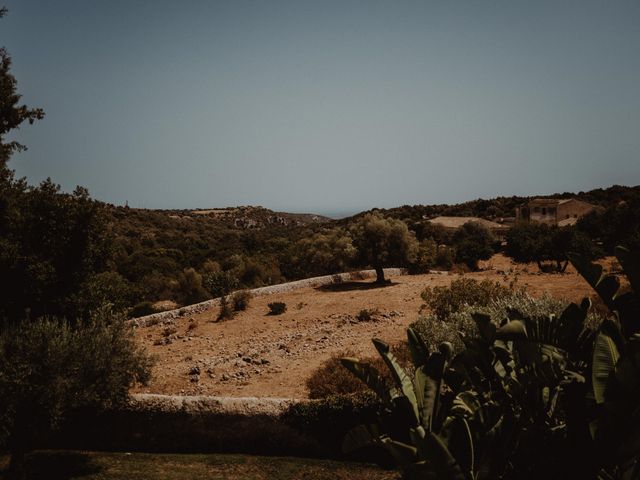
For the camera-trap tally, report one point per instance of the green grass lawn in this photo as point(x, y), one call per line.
point(63, 465)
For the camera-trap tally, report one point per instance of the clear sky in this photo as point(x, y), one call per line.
point(327, 106)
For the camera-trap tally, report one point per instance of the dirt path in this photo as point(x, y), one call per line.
point(271, 356)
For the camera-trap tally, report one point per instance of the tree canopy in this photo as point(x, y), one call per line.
point(383, 242)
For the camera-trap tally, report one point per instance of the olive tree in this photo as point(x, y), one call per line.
point(49, 368)
point(383, 242)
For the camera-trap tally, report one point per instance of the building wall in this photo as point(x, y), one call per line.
point(544, 214)
point(574, 208)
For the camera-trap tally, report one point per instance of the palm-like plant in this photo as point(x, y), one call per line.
point(530, 398)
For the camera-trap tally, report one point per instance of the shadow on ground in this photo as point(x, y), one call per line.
point(348, 286)
point(57, 466)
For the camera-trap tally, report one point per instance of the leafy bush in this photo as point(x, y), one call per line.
point(445, 300)
point(226, 309)
point(141, 309)
point(331, 379)
point(459, 325)
point(190, 287)
point(425, 257)
point(49, 368)
point(240, 300)
point(277, 308)
point(220, 283)
point(473, 242)
point(445, 257)
point(366, 314)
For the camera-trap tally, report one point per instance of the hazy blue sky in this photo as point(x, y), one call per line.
point(327, 105)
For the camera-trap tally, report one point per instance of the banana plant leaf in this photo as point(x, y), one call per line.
point(402, 453)
point(402, 380)
point(605, 357)
point(417, 347)
point(369, 375)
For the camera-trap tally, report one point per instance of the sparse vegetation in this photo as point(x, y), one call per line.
point(277, 308)
point(240, 300)
point(446, 300)
point(226, 311)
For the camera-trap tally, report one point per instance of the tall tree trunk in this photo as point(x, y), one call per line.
point(380, 275)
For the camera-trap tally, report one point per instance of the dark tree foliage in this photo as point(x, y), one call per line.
point(49, 368)
point(383, 242)
point(540, 243)
point(617, 225)
point(51, 243)
point(12, 113)
point(473, 242)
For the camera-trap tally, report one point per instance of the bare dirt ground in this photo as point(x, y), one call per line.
point(255, 354)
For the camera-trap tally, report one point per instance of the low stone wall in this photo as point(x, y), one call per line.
point(269, 290)
point(268, 426)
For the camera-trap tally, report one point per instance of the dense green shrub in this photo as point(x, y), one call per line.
point(141, 309)
point(442, 301)
point(473, 242)
point(220, 283)
point(425, 257)
point(240, 300)
point(49, 368)
point(277, 308)
point(190, 287)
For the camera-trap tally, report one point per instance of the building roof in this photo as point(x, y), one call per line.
point(550, 201)
point(457, 222)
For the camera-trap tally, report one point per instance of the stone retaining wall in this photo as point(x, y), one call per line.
point(269, 290)
point(267, 426)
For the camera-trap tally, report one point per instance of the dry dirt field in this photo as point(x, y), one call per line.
point(255, 354)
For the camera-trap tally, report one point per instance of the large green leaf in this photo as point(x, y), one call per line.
point(428, 379)
point(369, 375)
point(606, 286)
point(485, 326)
point(512, 330)
point(417, 347)
point(459, 441)
point(605, 357)
point(402, 380)
point(402, 453)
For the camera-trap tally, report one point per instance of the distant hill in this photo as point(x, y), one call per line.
point(503, 207)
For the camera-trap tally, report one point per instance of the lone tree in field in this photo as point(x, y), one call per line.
point(383, 242)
